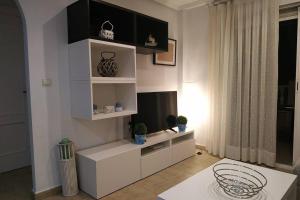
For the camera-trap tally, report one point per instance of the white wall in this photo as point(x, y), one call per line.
point(46, 26)
point(195, 68)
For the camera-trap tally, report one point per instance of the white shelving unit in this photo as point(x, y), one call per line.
point(89, 88)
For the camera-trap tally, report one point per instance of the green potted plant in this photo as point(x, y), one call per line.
point(140, 130)
point(64, 147)
point(181, 123)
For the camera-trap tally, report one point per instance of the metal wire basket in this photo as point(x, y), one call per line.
point(239, 181)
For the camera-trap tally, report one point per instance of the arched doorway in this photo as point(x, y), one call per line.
point(15, 162)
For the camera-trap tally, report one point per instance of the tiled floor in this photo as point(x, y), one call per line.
point(16, 184)
point(13, 187)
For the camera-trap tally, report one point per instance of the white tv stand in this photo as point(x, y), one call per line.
point(107, 168)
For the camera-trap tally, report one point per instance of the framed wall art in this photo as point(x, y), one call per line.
point(167, 58)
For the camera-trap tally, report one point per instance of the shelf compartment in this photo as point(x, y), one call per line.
point(125, 58)
point(85, 55)
point(156, 147)
point(109, 94)
point(145, 26)
point(183, 138)
point(84, 94)
point(85, 18)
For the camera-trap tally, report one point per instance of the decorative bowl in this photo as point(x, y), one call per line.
point(239, 181)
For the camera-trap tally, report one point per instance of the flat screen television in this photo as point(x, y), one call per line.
point(154, 108)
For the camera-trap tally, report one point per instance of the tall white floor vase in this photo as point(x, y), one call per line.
point(67, 167)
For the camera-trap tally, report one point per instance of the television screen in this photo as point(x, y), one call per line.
point(155, 109)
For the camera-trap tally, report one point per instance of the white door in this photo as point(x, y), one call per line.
point(14, 142)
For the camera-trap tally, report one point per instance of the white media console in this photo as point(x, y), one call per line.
point(107, 168)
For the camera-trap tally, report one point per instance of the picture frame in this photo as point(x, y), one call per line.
point(167, 58)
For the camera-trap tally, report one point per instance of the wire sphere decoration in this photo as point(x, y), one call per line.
point(239, 181)
point(107, 67)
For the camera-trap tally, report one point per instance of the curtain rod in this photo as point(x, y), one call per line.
point(196, 4)
point(289, 6)
point(202, 3)
point(216, 2)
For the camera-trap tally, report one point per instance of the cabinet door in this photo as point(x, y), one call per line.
point(182, 150)
point(118, 171)
point(155, 161)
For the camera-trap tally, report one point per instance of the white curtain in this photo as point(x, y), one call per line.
point(243, 80)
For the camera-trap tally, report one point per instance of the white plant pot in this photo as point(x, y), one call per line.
point(68, 177)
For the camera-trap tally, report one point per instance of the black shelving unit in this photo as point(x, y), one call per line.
point(145, 26)
point(85, 18)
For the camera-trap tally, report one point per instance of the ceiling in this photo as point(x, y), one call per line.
point(182, 4)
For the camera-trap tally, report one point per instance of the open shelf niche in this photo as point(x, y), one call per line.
point(89, 88)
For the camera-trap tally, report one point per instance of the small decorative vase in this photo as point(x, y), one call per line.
point(107, 33)
point(107, 66)
point(108, 109)
point(181, 127)
point(139, 139)
point(119, 107)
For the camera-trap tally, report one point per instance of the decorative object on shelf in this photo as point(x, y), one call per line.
point(181, 123)
point(107, 67)
point(140, 131)
point(151, 41)
point(95, 109)
point(108, 109)
point(119, 107)
point(167, 58)
point(107, 33)
point(67, 167)
point(239, 181)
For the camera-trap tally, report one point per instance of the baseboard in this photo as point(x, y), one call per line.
point(284, 167)
point(201, 147)
point(47, 193)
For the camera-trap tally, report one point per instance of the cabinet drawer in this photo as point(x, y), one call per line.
point(116, 172)
point(183, 150)
point(156, 161)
